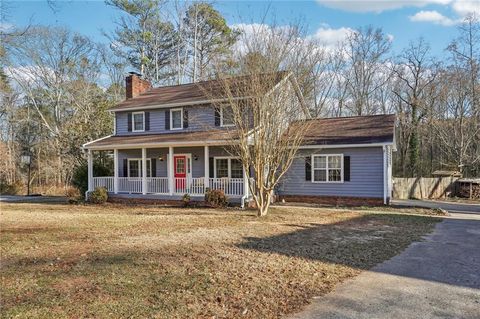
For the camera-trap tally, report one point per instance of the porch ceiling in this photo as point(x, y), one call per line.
point(213, 137)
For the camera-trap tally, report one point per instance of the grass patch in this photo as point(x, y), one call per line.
point(116, 261)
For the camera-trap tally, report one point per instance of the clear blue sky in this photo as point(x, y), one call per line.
point(435, 20)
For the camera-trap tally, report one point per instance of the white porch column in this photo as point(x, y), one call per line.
point(115, 171)
point(144, 171)
point(170, 170)
point(206, 167)
point(90, 170)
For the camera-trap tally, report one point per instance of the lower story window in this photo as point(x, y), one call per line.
point(236, 168)
point(226, 167)
point(135, 168)
point(327, 168)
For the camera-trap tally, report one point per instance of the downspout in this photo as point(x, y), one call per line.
point(88, 182)
point(384, 148)
point(242, 205)
point(246, 187)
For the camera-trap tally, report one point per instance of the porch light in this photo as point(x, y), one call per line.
point(160, 158)
point(195, 157)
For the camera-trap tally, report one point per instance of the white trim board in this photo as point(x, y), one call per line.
point(98, 139)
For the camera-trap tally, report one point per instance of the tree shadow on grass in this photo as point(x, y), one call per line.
point(366, 241)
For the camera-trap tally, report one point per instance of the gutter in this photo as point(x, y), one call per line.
point(171, 105)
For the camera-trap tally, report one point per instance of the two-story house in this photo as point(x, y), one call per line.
point(170, 141)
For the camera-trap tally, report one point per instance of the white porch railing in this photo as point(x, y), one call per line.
point(106, 182)
point(192, 186)
point(230, 186)
point(159, 185)
point(130, 184)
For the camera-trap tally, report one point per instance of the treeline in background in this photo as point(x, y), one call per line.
point(56, 85)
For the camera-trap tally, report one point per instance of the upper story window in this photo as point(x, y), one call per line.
point(327, 168)
point(226, 116)
point(176, 119)
point(138, 121)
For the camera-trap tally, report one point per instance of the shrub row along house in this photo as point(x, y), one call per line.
point(176, 140)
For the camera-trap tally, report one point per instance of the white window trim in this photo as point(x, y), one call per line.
point(149, 160)
point(326, 169)
point(133, 121)
point(229, 166)
point(181, 119)
point(221, 118)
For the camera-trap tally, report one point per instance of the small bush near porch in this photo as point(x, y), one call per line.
point(113, 261)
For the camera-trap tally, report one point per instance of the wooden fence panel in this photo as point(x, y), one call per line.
point(423, 187)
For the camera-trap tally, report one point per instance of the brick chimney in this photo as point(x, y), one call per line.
point(135, 85)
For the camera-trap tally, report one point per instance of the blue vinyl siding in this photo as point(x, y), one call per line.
point(198, 165)
point(366, 175)
point(200, 118)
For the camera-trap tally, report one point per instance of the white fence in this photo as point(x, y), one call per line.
point(159, 185)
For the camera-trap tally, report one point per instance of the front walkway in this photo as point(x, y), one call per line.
point(436, 278)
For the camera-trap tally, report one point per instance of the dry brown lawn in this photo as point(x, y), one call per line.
point(61, 261)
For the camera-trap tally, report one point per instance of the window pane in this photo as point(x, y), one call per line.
point(227, 114)
point(180, 167)
point(134, 168)
point(334, 162)
point(177, 119)
point(334, 175)
point(237, 169)
point(222, 168)
point(319, 175)
point(319, 162)
point(138, 122)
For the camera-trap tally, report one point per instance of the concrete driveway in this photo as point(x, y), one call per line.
point(436, 278)
point(448, 206)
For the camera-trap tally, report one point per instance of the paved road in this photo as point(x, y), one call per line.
point(449, 206)
point(32, 199)
point(435, 278)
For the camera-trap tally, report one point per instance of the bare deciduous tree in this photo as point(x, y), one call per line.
point(417, 71)
point(366, 50)
point(270, 125)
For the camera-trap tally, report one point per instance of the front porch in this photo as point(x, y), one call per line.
point(171, 172)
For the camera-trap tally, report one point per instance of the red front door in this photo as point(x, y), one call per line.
point(180, 168)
